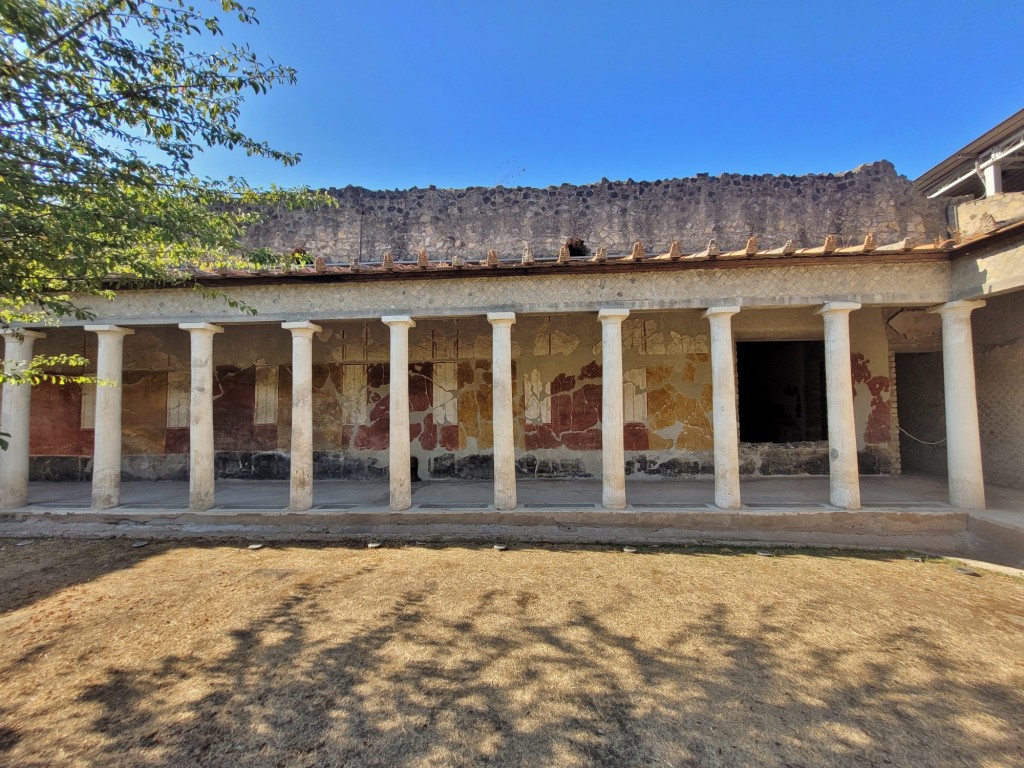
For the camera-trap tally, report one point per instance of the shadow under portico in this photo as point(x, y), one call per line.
point(267, 495)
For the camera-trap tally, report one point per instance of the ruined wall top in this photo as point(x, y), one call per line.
point(611, 215)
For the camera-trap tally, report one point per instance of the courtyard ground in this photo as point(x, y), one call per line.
point(213, 654)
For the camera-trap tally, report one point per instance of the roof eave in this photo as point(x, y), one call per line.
point(930, 179)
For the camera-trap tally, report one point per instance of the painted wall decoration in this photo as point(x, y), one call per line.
point(667, 397)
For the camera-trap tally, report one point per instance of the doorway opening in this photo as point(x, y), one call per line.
point(781, 391)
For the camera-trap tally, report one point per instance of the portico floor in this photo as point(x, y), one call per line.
point(911, 511)
point(269, 496)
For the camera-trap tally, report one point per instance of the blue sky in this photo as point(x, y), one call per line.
point(402, 94)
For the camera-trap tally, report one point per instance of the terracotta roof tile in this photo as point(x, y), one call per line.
point(750, 255)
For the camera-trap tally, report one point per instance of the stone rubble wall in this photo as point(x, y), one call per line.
point(611, 214)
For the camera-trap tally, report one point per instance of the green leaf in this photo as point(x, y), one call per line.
point(103, 107)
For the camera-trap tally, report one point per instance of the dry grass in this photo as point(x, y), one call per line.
point(183, 654)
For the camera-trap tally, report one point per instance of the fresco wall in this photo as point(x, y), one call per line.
point(557, 399)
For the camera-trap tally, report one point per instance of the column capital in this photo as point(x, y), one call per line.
point(398, 320)
point(201, 327)
point(113, 329)
point(837, 306)
point(712, 312)
point(957, 307)
point(501, 318)
point(25, 333)
point(301, 327)
point(612, 315)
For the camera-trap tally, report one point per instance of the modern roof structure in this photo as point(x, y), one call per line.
point(991, 164)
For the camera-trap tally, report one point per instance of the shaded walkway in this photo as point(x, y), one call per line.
point(906, 491)
point(908, 512)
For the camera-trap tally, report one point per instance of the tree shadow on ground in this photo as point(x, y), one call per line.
point(49, 566)
point(500, 684)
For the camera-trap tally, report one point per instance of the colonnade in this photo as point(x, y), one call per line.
point(966, 484)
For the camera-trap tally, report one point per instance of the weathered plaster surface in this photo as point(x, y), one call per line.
point(871, 385)
point(990, 273)
point(913, 329)
point(670, 286)
point(777, 324)
point(977, 216)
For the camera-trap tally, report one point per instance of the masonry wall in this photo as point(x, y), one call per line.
point(998, 329)
point(976, 216)
point(999, 367)
point(557, 399)
point(611, 214)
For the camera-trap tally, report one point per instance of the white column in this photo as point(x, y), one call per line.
point(844, 477)
point(398, 409)
point(613, 451)
point(723, 379)
point(201, 455)
point(14, 420)
point(106, 442)
point(301, 452)
point(501, 386)
point(993, 177)
point(963, 441)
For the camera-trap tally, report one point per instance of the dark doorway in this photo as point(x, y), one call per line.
point(781, 391)
point(922, 412)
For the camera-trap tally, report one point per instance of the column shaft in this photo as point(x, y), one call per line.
point(15, 421)
point(723, 379)
point(993, 178)
point(398, 411)
point(963, 438)
point(844, 477)
point(613, 452)
point(501, 385)
point(301, 452)
point(106, 451)
point(201, 485)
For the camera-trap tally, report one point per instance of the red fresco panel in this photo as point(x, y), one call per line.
point(56, 416)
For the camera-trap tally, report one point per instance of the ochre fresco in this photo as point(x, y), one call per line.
point(879, 424)
point(328, 427)
point(557, 393)
point(347, 416)
point(666, 398)
point(679, 405)
point(144, 413)
point(475, 406)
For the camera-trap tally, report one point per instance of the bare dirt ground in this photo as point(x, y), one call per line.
point(184, 653)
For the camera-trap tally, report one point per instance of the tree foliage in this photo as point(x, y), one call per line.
point(104, 104)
